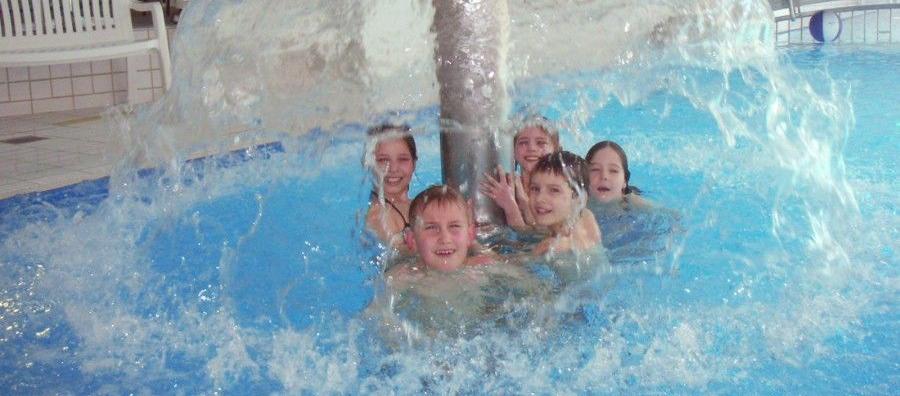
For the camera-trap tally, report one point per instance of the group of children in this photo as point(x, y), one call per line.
point(548, 195)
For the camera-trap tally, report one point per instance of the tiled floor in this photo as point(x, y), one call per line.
point(44, 151)
point(76, 146)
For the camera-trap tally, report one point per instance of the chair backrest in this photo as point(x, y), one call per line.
point(36, 24)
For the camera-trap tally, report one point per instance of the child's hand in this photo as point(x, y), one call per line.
point(501, 189)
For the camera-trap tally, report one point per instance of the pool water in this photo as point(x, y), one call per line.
point(249, 272)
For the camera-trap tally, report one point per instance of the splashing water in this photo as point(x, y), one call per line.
point(249, 272)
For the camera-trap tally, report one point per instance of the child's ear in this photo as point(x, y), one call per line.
point(410, 239)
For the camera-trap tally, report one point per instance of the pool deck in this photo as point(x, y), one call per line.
point(40, 152)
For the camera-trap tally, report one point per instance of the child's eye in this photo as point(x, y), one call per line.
point(455, 226)
point(534, 189)
point(555, 190)
point(614, 171)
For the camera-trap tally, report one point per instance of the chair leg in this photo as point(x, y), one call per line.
point(131, 62)
point(165, 63)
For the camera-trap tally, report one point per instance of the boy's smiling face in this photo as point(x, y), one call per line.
point(552, 200)
point(442, 236)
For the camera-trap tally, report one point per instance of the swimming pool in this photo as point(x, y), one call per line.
point(247, 273)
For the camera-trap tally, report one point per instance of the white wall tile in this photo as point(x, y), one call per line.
point(97, 100)
point(55, 104)
point(14, 108)
point(99, 67)
point(81, 69)
point(143, 96)
point(2, 74)
point(884, 25)
point(119, 65)
point(57, 71)
point(142, 62)
point(856, 27)
point(895, 26)
point(39, 72)
point(871, 23)
point(120, 97)
point(154, 61)
point(82, 86)
point(103, 83)
point(4, 92)
point(142, 79)
point(61, 87)
point(19, 91)
point(17, 74)
point(41, 89)
point(120, 81)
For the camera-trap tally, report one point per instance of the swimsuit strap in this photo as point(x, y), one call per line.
point(374, 196)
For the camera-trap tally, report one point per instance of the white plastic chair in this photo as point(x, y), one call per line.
point(45, 32)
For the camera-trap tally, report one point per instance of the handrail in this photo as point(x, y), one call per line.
point(861, 7)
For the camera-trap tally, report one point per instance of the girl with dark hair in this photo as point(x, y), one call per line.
point(608, 175)
point(391, 155)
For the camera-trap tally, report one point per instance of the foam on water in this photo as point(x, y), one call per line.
point(251, 277)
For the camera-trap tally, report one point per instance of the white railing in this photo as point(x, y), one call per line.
point(862, 21)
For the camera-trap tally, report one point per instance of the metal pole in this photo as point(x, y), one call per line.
point(470, 54)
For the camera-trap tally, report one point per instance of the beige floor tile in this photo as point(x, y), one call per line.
point(98, 172)
point(9, 190)
point(64, 179)
point(18, 126)
point(6, 147)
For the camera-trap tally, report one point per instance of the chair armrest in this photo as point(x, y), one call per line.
point(155, 9)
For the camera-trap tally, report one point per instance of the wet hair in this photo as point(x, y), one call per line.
point(566, 164)
point(440, 194)
point(622, 157)
point(402, 131)
point(544, 124)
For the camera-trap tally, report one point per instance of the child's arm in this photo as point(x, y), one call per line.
point(584, 235)
point(588, 232)
point(525, 204)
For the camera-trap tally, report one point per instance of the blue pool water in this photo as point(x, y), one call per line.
point(774, 269)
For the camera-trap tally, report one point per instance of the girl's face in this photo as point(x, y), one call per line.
point(551, 198)
point(394, 166)
point(606, 176)
point(532, 143)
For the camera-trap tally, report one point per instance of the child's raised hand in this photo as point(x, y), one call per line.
point(501, 189)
